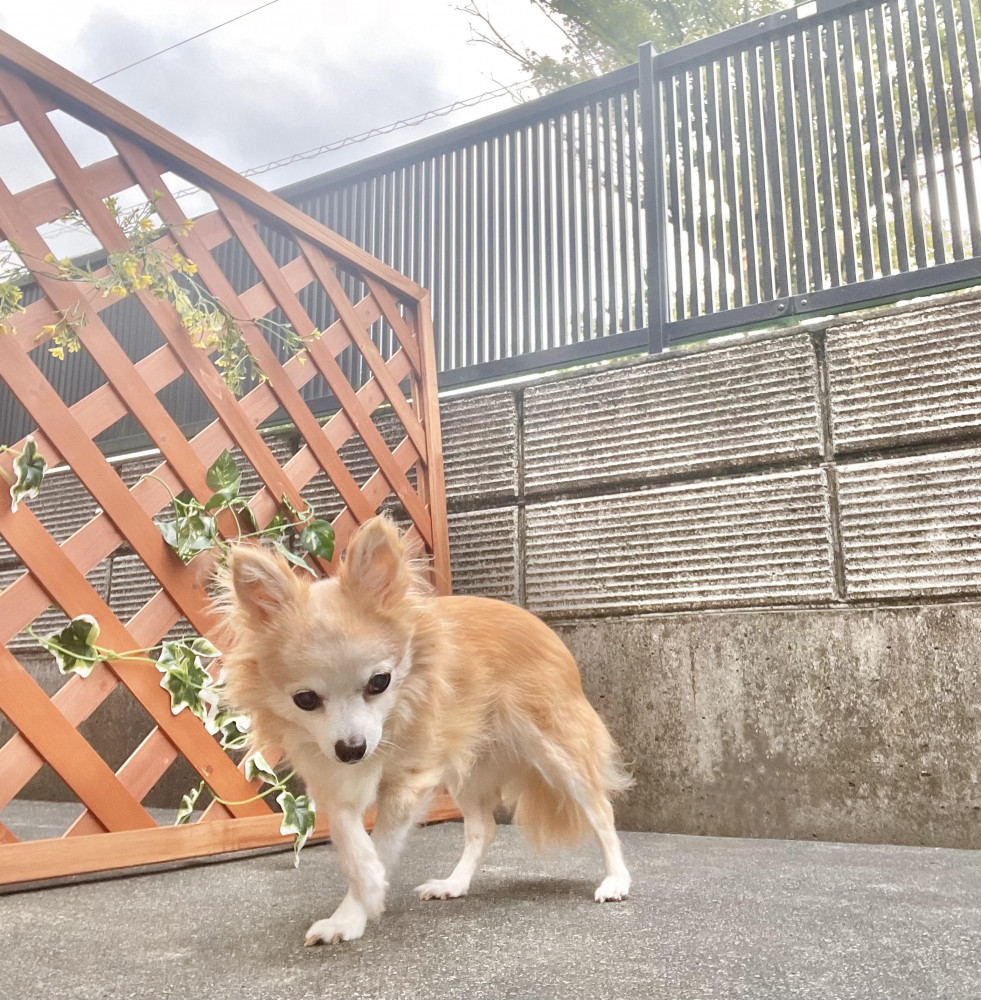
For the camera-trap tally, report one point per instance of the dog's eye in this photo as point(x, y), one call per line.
point(307, 700)
point(378, 683)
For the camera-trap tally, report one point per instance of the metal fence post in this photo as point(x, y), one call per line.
point(652, 144)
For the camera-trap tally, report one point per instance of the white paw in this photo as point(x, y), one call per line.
point(334, 929)
point(441, 888)
point(613, 888)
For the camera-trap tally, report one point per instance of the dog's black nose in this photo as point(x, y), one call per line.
point(350, 751)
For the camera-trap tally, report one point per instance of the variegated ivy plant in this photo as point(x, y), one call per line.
point(184, 663)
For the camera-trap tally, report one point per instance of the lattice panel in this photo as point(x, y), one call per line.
point(401, 446)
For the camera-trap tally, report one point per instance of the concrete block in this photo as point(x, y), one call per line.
point(751, 540)
point(846, 724)
point(912, 525)
point(131, 586)
point(480, 446)
point(903, 376)
point(684, 412)
point(484, 553)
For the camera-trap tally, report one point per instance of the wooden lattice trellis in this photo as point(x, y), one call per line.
point(115, 830)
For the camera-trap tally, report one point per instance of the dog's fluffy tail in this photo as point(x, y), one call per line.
point(548, 809)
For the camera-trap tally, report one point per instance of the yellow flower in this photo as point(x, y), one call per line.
point(57, 352)
point(146, 225)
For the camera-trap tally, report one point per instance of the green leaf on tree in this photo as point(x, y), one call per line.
point(191, 531)
point(186, 808)
point(299, 818)
point(318, 539)
point(29, 469)
point(74, 646)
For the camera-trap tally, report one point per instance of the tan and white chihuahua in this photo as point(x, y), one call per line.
point(379, 692)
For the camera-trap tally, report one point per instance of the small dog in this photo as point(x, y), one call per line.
point(378, 692)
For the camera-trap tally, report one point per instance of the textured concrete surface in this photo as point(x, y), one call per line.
point(751, 539)
point(743, 405)
point(707, 919)
point(912, 525)
point(857, 725)
point(484, 553)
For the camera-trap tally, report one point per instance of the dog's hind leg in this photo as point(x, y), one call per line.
point(476, 801)
point(599, 813)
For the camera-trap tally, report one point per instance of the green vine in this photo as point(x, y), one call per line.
point(164, 272)
point(29, 469)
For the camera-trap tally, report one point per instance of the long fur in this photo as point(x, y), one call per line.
point(485, 697)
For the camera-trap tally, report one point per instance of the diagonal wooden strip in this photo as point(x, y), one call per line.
point(99, 110)
point(219, 286)
point(393, 317)
point(47, 202)
point(244, 229)
point(359, 337)
point(6, 837)
point(54, 738)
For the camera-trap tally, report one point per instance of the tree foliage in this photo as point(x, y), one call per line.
point(603, 35)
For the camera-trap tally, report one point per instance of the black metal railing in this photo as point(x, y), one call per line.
point(817, 159)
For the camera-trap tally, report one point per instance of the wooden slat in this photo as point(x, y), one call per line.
point(44, 859)
point(27, 706)
point(393, 317)
point(6, 837)
point(98, 109)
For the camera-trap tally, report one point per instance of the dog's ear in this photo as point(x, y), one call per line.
point(260, 583)
point(376, 563)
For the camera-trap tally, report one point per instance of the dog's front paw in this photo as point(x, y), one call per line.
point(442, 888)
point(612, 889)
point(335, 929)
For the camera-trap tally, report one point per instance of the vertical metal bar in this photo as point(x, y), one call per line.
point(528, 263)
point(968, 14)
point(700, 183)
point(760, 152)
point(747, 213)
point(636, 208)
point(622, 193)
point(613, 239)
point(575, 232)
point(505, 252)
point(943, 123)
point(461, 265)
point(596, 203)
point(729, 148)
point(859, 170)
point(775, 168)
point(478, 334)
point(651, 104)
point(928, 147)
point(963, 129)
point(583, 147)
point(515, 261)
point(842, 181)
point(910, 156)
point(438, 287)
point(562, 238)
point(687, 164)
point(673, 219)
point(789, 55)
point(545, 160)
point(538, 332)
point(714, 195)
point(812, 276)
point(881, 85)
point(826, 186)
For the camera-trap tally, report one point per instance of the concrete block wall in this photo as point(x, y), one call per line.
point(765, 554)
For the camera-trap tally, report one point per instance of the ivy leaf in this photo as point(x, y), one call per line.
point(299, 818)
point(225, 479)
point(298, 518)
point(29, 469)
point(234, 732)
point(191, 531)
point(74, 646)
point(258, 767)
point(318, 539)
point(184, 677)
point(186, 807)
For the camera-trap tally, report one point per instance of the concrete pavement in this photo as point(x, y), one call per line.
point(707, 919)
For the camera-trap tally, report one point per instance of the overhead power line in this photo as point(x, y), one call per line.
point(184, 41)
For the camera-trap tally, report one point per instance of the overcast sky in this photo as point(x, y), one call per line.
point(290, 77)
